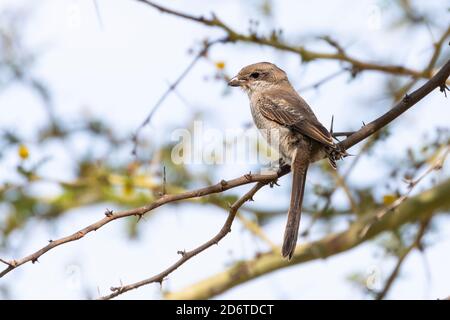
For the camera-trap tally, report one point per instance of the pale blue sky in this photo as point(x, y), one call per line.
point(119, 71)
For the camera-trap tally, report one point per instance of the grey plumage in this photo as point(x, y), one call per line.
point(290, 126)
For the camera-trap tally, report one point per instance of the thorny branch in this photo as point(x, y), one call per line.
point(426, 204)
point(395, 272)
point(186, 255)
point(375, 218)
point(357, 65)
point(171, 88)
point(437, 80)
point(367, 130)
point(317, 214)
point(436, 165)
point(139, 212)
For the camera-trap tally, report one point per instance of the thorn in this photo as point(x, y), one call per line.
point(50, 241)
point(8, 263)
point(273, 183)
point(181, 252)
point(406, 98)
point(251, 199)
point(34, 260)
point(164, 181)
point(134, 139)
point(248, 176)
point(139, 217)
point(442, 88)
point(332, 122)
point(420, 246)
point(117, 289)
point(364, 124)
point(109, 213)
point(223, 183)
point(354, 71)
point(410, 183)
point(304, 233)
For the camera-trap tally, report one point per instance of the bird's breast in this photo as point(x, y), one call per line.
point(277, 136)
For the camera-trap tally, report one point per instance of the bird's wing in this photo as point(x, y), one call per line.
point(295, 114)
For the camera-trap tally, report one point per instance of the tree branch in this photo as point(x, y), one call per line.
point(438, 80)
point(421, 206)
point(274, 42)
point(110, 216)
point(437, 50)
point(185, 256)
point(401, 259)
point(171, 88)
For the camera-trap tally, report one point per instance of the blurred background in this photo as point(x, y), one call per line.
point(78, 77)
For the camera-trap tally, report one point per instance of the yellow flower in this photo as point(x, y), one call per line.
point(23, 152)
point(389, 199)
point(220, 65)
point(128, 188)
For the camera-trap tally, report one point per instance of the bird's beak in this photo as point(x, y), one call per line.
point(235, 82)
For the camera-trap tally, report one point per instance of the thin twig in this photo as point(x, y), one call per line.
point(97, 12)
point(318, 214)
point(10, 264)
point(343, 134)
point(168, 198)
point(171, 88)
point(437, 80)
point(437, 51)
point(322, 81)
point(436, 165)
point(422, 206)
point(164, 181)
point(363, 133)
point(186, 255)
point(307, 55)
point(255, 229)
point(395, 272)
point(340, 181)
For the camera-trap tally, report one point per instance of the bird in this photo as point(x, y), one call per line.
point(289, 125)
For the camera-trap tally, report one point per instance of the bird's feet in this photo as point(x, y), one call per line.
point(283, 167)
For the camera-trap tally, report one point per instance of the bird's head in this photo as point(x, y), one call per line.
point(258, 76)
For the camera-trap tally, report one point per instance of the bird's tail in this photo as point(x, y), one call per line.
point(299, 168)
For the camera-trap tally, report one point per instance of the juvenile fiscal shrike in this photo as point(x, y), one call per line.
point(301, 138)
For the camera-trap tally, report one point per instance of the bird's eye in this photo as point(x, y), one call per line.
point(255, 75)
